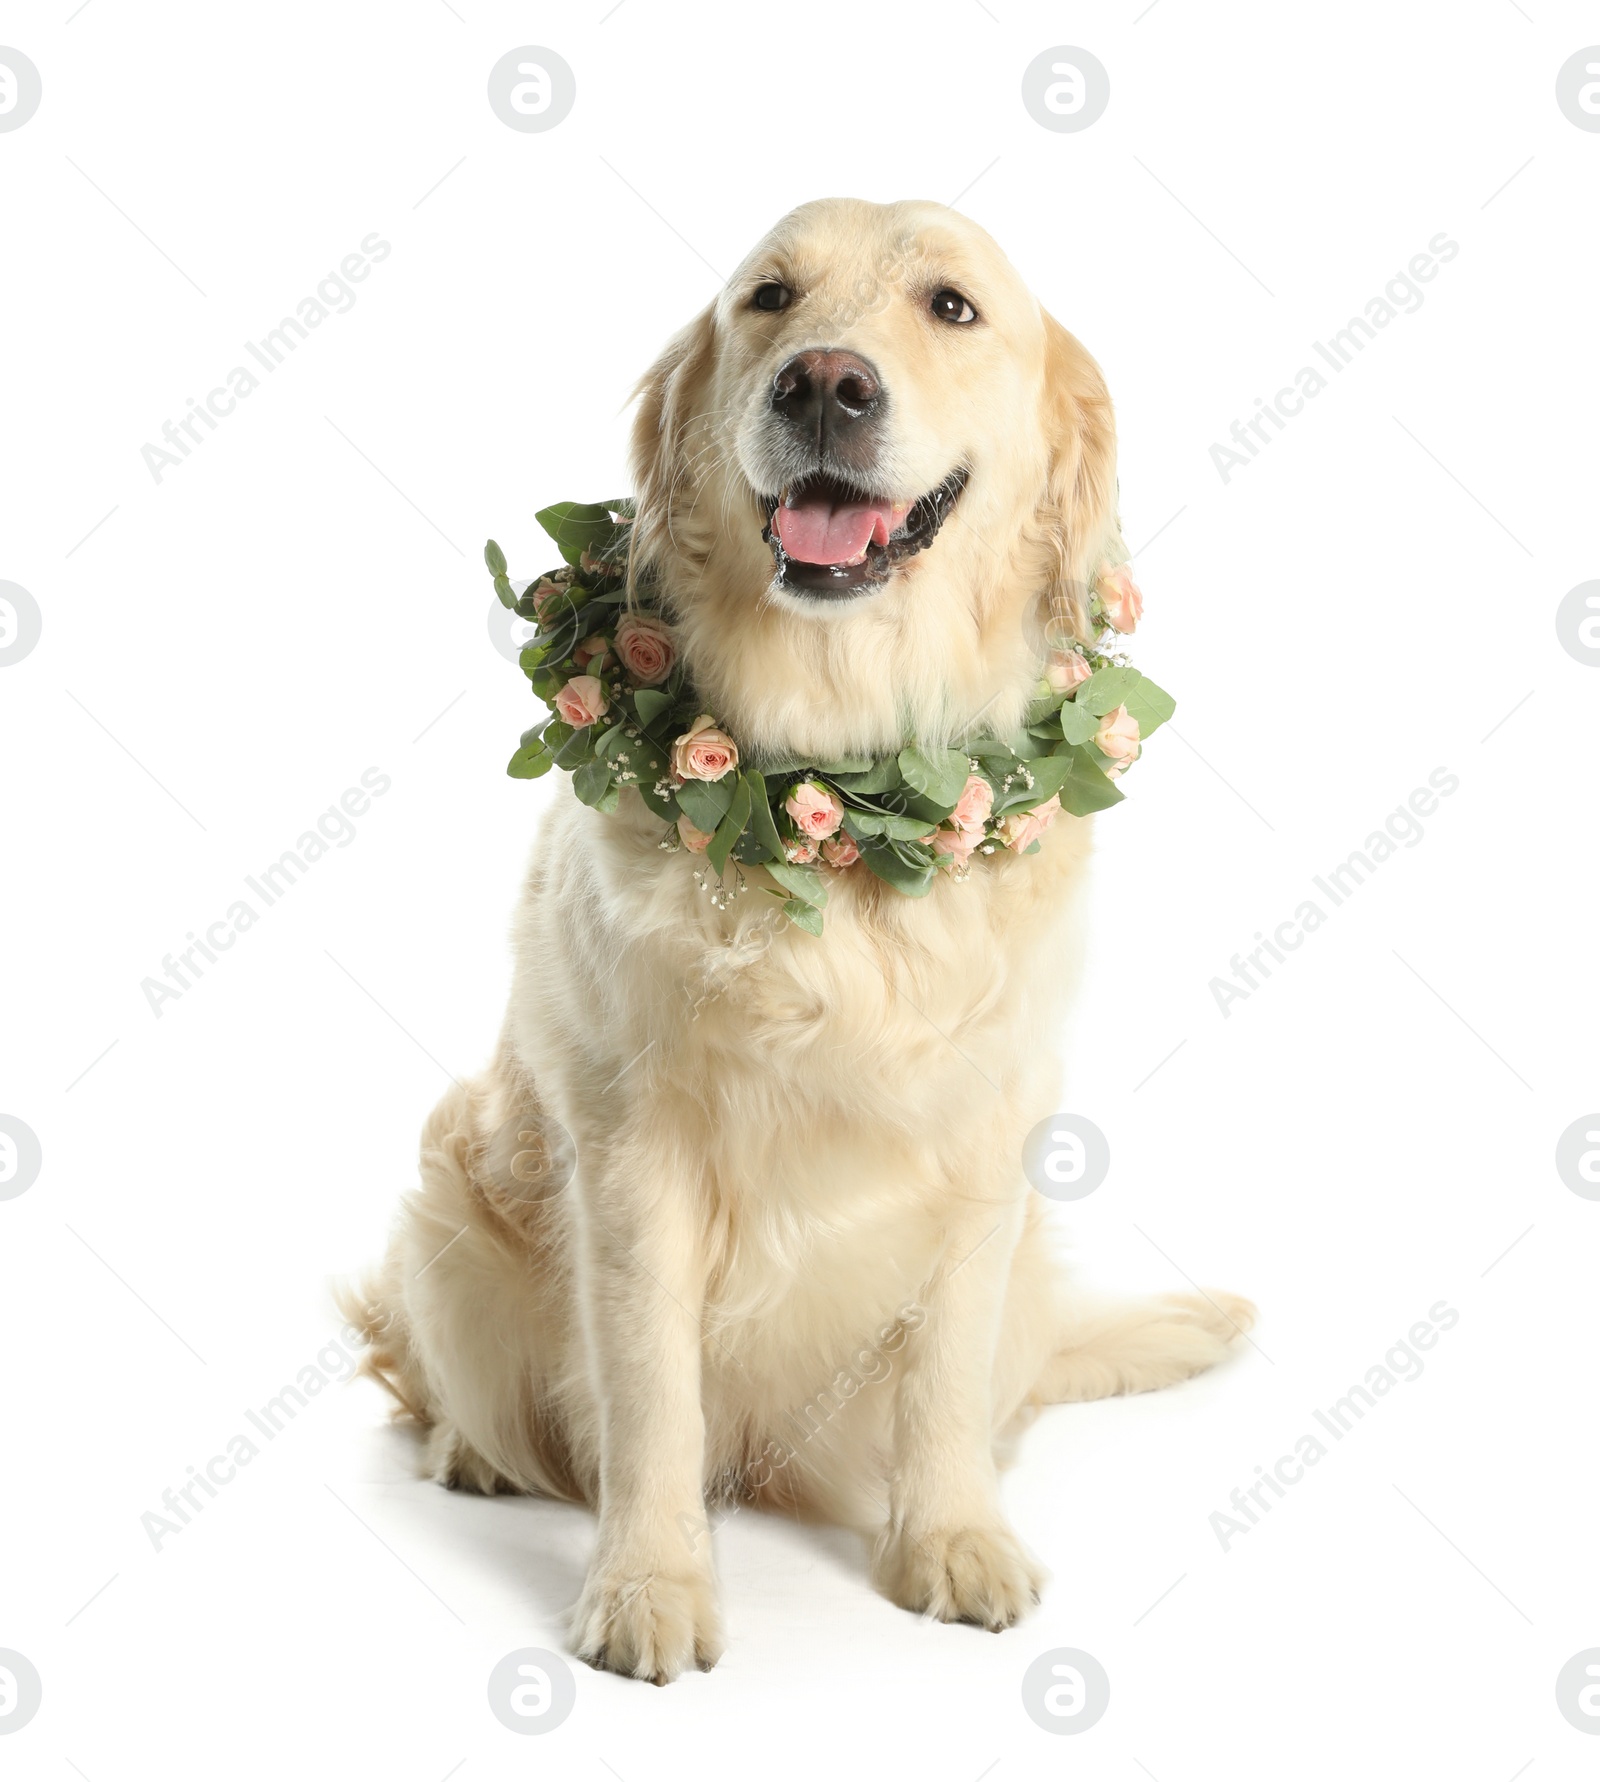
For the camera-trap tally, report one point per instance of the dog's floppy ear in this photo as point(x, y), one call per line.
point(1078, 514)
point(663, 428)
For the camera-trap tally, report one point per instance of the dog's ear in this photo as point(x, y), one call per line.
point(1078, 512)
point(664, 446)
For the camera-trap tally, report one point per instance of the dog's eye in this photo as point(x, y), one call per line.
point(951, 306)
point(771, 297)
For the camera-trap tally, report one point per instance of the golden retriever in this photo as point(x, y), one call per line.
point(737, 1212)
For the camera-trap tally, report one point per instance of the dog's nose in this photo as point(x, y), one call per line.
point(826, 391)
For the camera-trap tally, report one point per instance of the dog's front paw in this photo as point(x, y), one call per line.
point(981, 1573)
point(649, 1624)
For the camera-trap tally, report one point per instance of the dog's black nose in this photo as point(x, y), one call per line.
point(825, 392)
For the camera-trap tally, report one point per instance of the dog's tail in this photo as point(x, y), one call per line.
point(373, 1309)
point(1143, 1344)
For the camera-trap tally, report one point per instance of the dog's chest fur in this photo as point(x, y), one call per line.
point(837, 1090)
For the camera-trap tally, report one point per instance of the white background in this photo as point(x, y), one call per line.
point(226, 651)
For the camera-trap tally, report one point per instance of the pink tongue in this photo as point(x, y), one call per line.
point(819, 531)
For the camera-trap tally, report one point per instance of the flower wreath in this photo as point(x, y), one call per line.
point(626, 714)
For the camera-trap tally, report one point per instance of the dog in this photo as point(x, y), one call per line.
point(737, 1211)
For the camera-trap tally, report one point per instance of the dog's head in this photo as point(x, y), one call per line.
point(870, 477)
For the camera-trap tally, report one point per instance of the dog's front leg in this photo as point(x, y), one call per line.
point(649, 1604)
point(946, 1549)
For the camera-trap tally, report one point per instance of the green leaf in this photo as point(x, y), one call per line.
point(495, 558)
point(1078, 723)
point(939, 775)
point(1086, 789)
point(507, 594)
point(705, 802)
point(881, 776)
point(592, 781)
point(900, 867)
point(730, 828)
point(1048, 774)
point(803, 882)
point(763, 830)
point(664, 804)
point(846, 764)
point(804, 916)
point(993, 748)
point(1106, 689)
point(612, 743)
point(578, 748)
point(533, 656)
point(530, 762)
point(650, 703)
point(862, 824)
point(1150, 705)
point(576, 526)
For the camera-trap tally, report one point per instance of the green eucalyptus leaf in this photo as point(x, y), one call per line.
point(1085, 789)
point(1048, 774)
point(908, 870)
point(803, 915)
point(592, 781)
point(650, 703)
point(731, 827)
point(938, 774)
point(763, 829)
point(495, 558)
point(1150, 705)
point(705, 802)
point(882, 776)
point(862, 824)
point(576, 526)
point(530, 761)
point(507, 594)
point(1106, 689)
point(1078, 723)
point(804, 882)
point(612, 743)
point(578, 748)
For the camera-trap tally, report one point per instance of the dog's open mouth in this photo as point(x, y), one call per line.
point(830, 539)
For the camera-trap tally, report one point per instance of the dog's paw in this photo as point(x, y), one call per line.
point(650, 1624)
point(455, 1464)
point(982, 1574)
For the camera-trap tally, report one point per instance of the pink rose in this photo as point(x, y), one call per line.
point(953, 846)
point(582, 701)
point(973, 808)
point(1120, 598)
point(1019, 830)
point(593, 652)
point(1065, 670)
point(800, 853)
point(704, 752)
point(695, 840)
point(1118, 737)
point(814, 809)
point(841, 851)
point(647, 649)
point(544, 591)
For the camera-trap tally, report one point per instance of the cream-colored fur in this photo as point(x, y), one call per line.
point(797, 1260)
